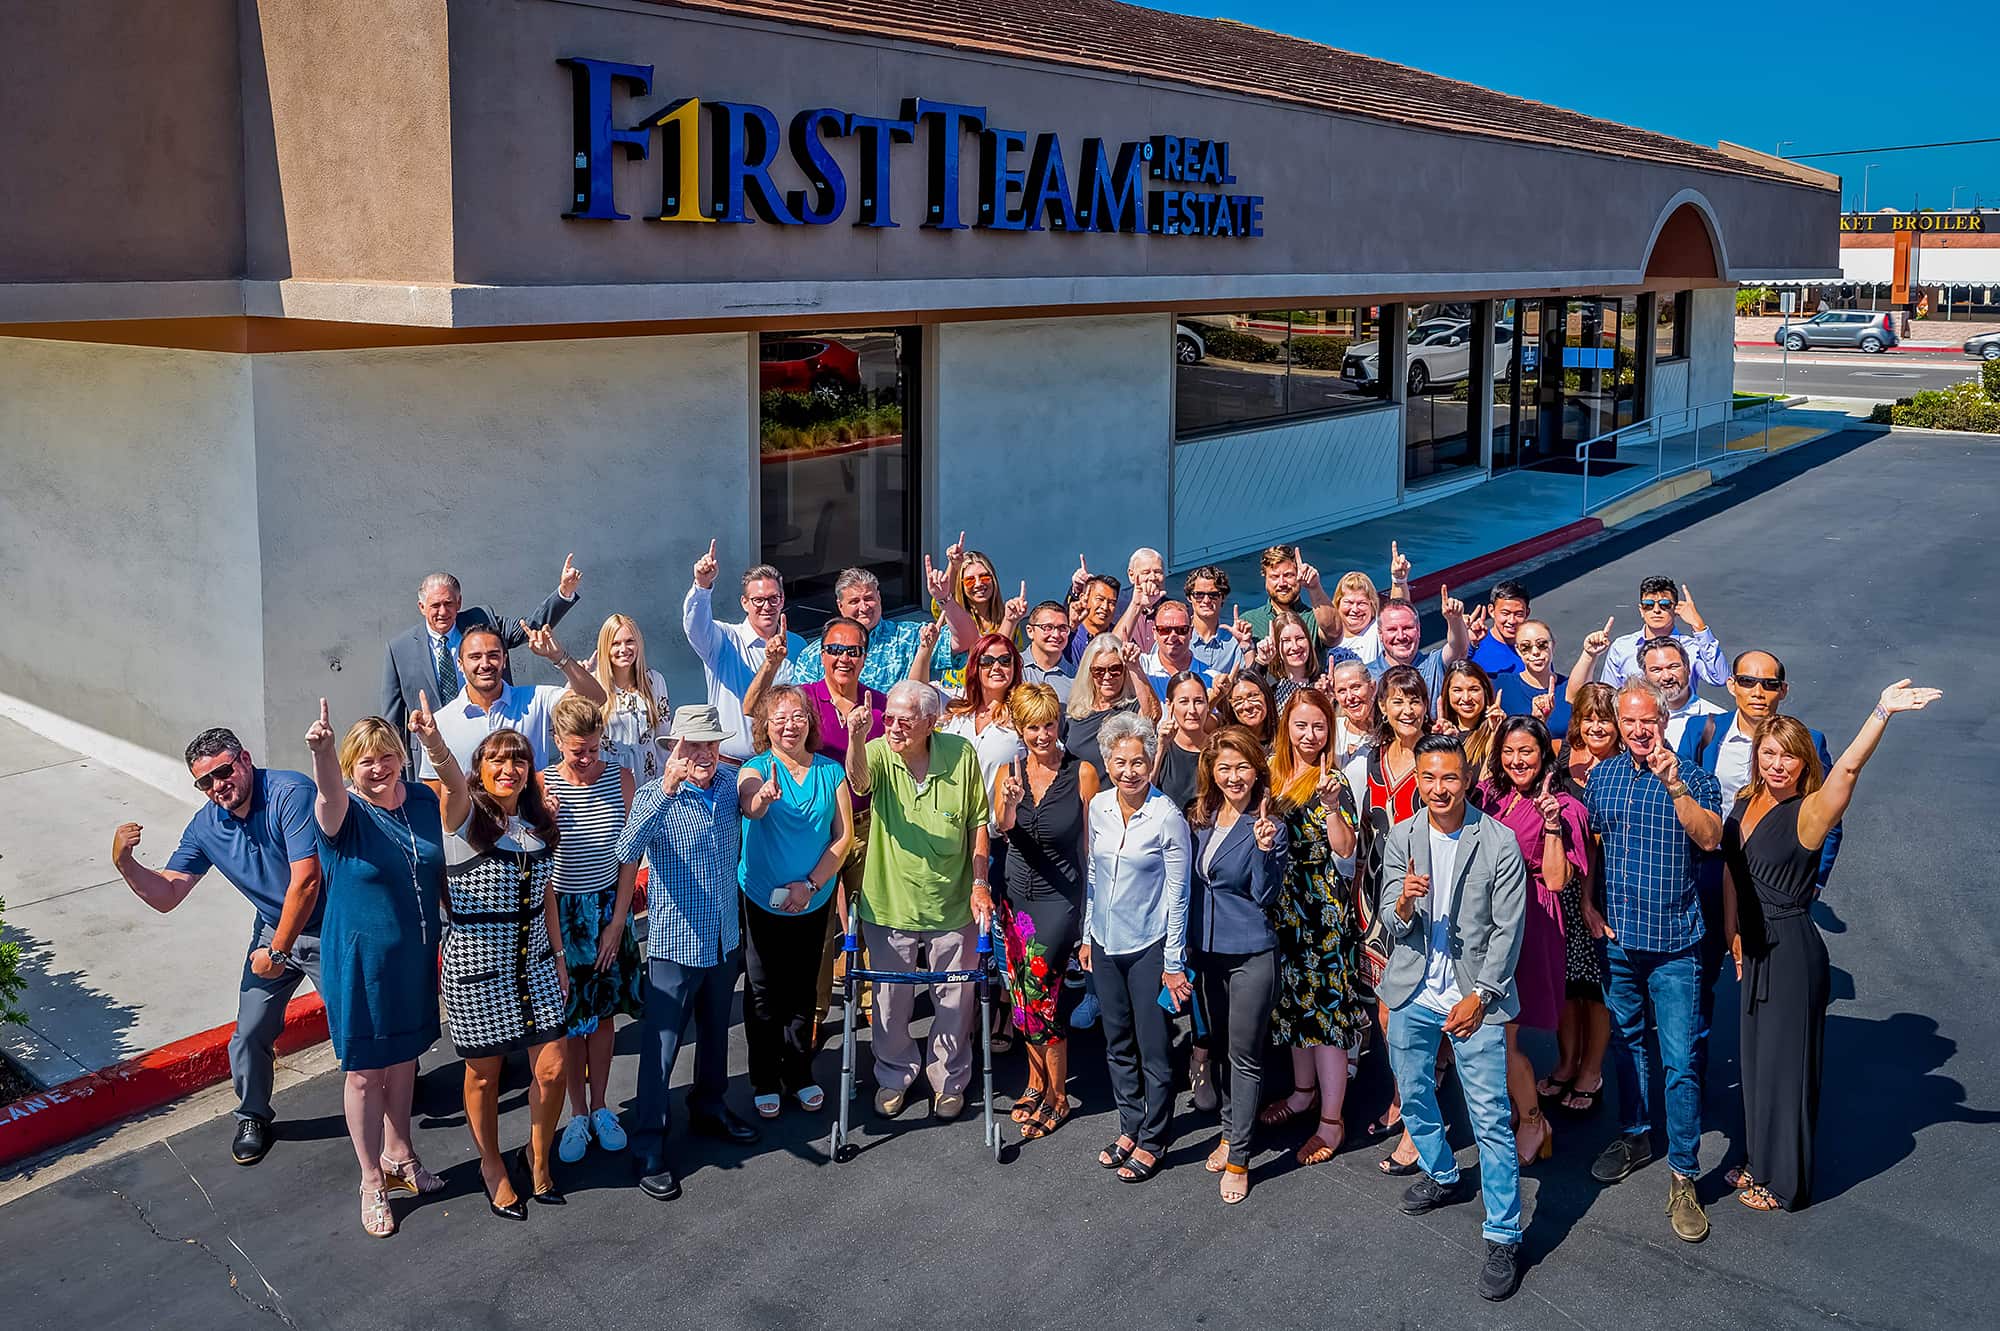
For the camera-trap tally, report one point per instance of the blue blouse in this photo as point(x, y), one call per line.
point(784, 845)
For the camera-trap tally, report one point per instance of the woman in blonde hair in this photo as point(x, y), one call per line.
point(1319, 1012)
point(1357, 604)
point(1770, 846)
point(382, 848)
point(975, 588)
point(636, 710)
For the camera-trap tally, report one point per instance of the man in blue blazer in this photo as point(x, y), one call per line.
point(1454, 897)
point(425, 658)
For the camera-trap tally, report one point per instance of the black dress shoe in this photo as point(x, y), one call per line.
point(725, 1125)
point(656, 1180)
point(253, 1140)
point(514, 1210)
point(553, 1197)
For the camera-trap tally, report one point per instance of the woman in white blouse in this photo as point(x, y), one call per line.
point(1135, 939)
point(636, 710)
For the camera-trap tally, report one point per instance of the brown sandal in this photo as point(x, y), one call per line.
point(1319, 1147)
point(1760, 1198)
point(1218, 1159)
point(1027, 1106)
point(1280, 1112)
point(1739, 1178)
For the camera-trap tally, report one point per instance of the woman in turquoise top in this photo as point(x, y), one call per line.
point(382, 846)
point(797, 819)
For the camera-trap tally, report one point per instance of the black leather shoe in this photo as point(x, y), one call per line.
point(725, 1125)
point(656, 1180)
point(514, 1210)
point(253, 1140)
point(1617, 1161)
point(1427, 1195)
point(553, 1197)
point(1501, 1275)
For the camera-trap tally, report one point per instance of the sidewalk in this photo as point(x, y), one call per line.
point(108, 977)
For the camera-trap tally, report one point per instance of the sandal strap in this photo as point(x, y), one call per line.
point(1236, 1169)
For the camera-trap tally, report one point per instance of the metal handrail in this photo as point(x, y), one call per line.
point(1656, 424)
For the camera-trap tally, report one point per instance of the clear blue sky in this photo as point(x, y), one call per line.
point(1826, 75)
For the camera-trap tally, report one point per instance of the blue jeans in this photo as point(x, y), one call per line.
point(1414, 1031)
point(1671, 983)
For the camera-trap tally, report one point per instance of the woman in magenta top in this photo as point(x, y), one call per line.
point(1553, 831)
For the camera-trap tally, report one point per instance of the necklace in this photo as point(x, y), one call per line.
point(410, 858)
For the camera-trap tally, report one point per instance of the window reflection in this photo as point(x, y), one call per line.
point(837, 433)
point(1269, 365)
point(1670, 325)
point(1445, 362)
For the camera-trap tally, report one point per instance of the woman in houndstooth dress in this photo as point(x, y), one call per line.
point(504, 974)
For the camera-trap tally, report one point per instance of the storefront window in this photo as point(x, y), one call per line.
point(837, 434)
point(1444, 363)
point(1670, 325)
point(1254, 369)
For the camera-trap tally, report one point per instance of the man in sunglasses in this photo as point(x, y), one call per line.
point(731, 653)
point(257, 829)
point(1722, 744)
point(1209, 639)
point(1660, 605)
point(1172, 627)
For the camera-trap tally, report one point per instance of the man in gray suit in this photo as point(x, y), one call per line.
point(1453, 894)
point(425, 659)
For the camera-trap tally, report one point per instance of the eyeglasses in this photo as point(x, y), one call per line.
point(1658, 603)
point(989, 660)
point(1050, 626)
point(1532, 644)
point(766, 602)
point(215, 774)
point(1764, 682)
point(1204, 596)
point(1171, 630)
point(1106, 672)
point(854, 649)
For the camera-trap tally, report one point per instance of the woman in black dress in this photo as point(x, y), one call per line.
point(1771, 847)
point(1108, 681)
point(1038, 805)
point(1183, 731)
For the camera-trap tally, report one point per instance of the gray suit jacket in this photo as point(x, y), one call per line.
point(1486, 900)
point(409, 669)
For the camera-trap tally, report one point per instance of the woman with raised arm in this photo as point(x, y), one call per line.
point(1770, 845)
point(1320, 1013)
point(1039, 807)
point(505, 977)
point(973, 588)
point(636, 710)
point(1583, 1034)
point(1108, 682)
point(607, 971)
point(382, 849)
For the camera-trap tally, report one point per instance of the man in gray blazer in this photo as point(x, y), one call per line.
point(425, 658)
point(1453, 894)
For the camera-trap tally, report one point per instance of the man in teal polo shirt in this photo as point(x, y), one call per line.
point(923, 888)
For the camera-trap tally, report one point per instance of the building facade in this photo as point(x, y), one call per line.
point(395, 285)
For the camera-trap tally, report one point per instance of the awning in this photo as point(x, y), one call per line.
point(1962, 266)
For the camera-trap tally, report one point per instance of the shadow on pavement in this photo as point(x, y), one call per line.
point(91, 1018)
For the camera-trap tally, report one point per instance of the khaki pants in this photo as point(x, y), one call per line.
point(833, 962)
point(897, 1058)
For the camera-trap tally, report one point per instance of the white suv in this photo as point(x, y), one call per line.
point(1438, 351)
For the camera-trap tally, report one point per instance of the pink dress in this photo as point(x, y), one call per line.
point(1539, 975)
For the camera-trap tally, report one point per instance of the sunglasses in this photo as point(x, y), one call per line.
point(988, 661)
point(1204, 596)
point(1532, 644)
point(1171, 630)
point(1658, 603)
point(853, 649)
point(213, 775)
point(1106, 672)
point(1764, 682)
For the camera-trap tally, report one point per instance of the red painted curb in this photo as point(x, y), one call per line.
point(1474, 569)
point(35, 1123)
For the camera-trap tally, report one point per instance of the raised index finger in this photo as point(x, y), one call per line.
point(322, 713)
point(711, 547)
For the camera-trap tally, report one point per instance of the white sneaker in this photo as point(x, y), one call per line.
point(575, 1140)
point(609, 1135)
point(1085, 1015)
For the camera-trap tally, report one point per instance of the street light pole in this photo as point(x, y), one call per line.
point(1954, 195)
point(1779, 151)
point(1864, 184)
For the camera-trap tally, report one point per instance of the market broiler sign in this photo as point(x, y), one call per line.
point(1165, 185)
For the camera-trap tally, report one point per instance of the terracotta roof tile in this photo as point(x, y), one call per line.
point(1230, 56)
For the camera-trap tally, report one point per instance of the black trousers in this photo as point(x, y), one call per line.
point(781, 961)
point(1136, 1043)
point(677, 995)
point(1237, 989)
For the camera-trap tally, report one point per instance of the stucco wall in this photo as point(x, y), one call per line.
point(1049, 439)
point(129, 532)
point(1711, 345)
point(492, 462)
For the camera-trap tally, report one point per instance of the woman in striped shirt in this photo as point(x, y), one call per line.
point(606, 973)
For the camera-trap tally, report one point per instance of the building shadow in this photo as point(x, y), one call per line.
point(64, 1010)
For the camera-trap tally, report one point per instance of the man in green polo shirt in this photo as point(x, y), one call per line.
point(923, 888)
point(1286, 575)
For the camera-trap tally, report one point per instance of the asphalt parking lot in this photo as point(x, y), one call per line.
point(1856, 562)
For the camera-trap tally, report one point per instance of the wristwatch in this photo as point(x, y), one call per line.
point(279, 956)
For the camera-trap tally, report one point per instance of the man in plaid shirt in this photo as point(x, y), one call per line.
point(1653, 815)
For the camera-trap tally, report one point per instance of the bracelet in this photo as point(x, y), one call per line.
point(1880, 713)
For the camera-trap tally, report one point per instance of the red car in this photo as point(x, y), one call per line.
point(807, 365)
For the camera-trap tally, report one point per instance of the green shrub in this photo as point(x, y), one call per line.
point(1319, 353)
point(1883, 413)
point(11, 981)
point(1989, 378)
point(1963, 406)
point(1229, 344)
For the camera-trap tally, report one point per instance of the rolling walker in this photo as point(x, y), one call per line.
point(983, 973)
